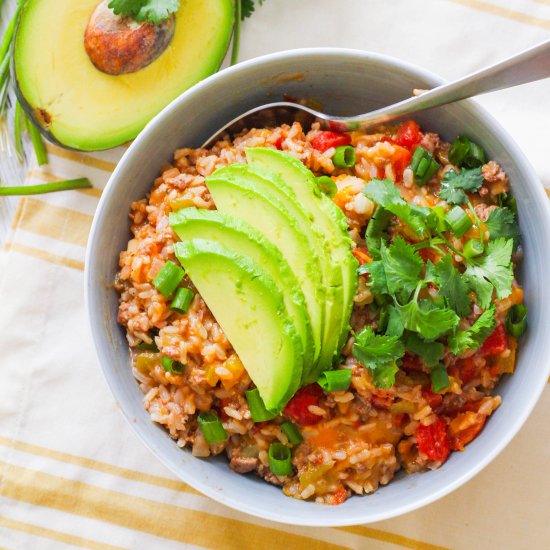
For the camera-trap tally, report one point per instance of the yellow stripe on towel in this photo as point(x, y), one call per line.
point(140, 514)
point(55, 222)
point(43, 255)
point(81, 158)
point(507, 13)
point(57, 536)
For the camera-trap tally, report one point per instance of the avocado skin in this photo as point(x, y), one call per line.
point(242, 238)
point(330, 220)
point(248, 291)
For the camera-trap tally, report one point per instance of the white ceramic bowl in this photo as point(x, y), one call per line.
point(346, 82)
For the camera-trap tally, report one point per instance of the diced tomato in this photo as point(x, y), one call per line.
point(387, 139)
point(496, 343)
point(433, 399)
point(338, 496)
point(362, 255)
point(400, 159)
point(412, 362)
point(279, 142)
point(433, 441)
point(325, 140)
point(297, 408)
point(467, 369)
point(459, 438)
point(408, 134)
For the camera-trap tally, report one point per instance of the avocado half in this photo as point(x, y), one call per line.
point(78, 106)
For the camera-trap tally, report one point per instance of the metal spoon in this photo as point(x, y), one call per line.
point(528, 66)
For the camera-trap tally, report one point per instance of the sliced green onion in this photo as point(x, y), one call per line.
point(516, 320)
point(211, 428)
point(423, 165)
point(168, 278)
point(144, 346)
point(335, 380)
point(292, 432)
point(464, 152)
point(171, 365)
point(476, 156)
point(459, 150)
point(473, 248)
point(458, 221)
point(344, 156)
point(280, 462)
point(507, 200)
point(327, 185)
point(257, 408)
point(182, 300)
point(440, 379)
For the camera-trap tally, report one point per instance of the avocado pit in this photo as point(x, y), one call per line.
point(119, 45)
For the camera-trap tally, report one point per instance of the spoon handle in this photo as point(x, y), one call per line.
point(528, 66)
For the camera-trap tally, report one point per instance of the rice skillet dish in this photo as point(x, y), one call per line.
point(324, 308)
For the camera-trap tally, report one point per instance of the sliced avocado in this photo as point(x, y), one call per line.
point(328, 218)
point(243, 239)
point(77, 105)
point(271, 185)
point(269, 215)
point(251, 311)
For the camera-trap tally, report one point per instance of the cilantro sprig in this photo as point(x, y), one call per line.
point(379, 354)
point(152, 11)
point(426, 322)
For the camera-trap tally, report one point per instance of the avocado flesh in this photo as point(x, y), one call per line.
point(270, 185)
point(328, 218)
point(243, 239)
point(268, 215)
point(246, 303)
point(91, 110)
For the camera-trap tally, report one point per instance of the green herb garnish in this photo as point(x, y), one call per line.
point(379, 354)
point(153, 11)
point(473, 337)
point(502, 222)
point(454, 186)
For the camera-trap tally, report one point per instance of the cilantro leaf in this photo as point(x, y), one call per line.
point(452, 286)
point(395, 325)
point(402, 266)
point(455, 185)
point(431, 352)
point(379, 354)
point(502, 222)
point(153, 11)
point(473, 337)
point(496, 267)
point(385, 194)
point(126, 7)
point(373, 349)
point(384, 375)
point(482, 287)
point(377, 280)
point(376, 231)
point(156, 11)
point(247, 8)
point(427, 319)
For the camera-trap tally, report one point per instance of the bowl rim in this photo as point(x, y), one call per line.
point(205, 487)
